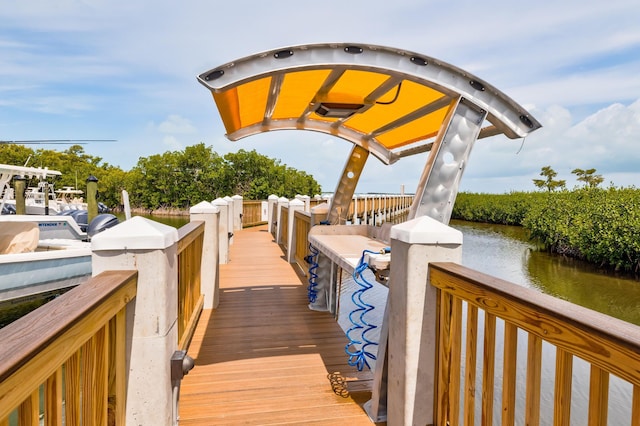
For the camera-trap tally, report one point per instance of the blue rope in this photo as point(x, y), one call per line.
point(359, 357)
point(312, 293)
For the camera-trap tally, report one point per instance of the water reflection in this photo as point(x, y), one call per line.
point(507, 253)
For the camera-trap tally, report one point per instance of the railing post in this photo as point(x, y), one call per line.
point(223, 229)
point(307, 203)
point(272, 202)
point(152, 332)
point(237, 212)
point(319, 214)
point(294, 206)
point(209, 269)
point(282, 202)
point(230, 215)
point(411, 351)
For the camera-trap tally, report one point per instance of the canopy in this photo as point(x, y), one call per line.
point(391, 102)
point(388, 102)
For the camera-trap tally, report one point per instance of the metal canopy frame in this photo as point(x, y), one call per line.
point(388, 102)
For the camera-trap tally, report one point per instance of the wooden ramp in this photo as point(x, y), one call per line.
point(262, 357)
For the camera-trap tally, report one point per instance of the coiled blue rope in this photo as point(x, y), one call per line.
point(358, 357)
point(312, 293)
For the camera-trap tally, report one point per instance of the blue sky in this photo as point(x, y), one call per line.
point(98, 69)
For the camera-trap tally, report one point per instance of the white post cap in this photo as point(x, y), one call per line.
point(204, 207)
point(137, 233)
point(425, 230)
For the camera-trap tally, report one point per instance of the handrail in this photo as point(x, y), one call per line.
point(190, 298)
point(610, 345)
point(78, 338)
point(302, 224)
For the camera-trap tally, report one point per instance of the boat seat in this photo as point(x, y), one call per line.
point(18, 237)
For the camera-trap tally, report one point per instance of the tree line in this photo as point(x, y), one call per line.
point(172, 180)
point(598, 225)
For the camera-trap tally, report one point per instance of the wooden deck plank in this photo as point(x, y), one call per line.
point(262, 357)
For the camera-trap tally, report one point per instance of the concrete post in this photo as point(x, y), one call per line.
point(412, 319)
point(20, 185)
point(237, 212)
point(282, 202)
point(223, 230)
point(230, 216)
point(210, 265)
point(294, 206)
point(319, 214)
point(152, 332)
point(271, 214)
point(307, 202)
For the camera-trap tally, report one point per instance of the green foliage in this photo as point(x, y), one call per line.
point(549, 183)
point(503, 209)
point(590, 179)
point(174, 180)
point(601, 226)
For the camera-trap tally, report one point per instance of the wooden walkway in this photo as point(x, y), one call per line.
point(262, 357)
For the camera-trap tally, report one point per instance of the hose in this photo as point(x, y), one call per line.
point(312, 259)
point(358, 357)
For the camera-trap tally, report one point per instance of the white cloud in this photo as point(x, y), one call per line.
point(117, 65)
point(176, 124)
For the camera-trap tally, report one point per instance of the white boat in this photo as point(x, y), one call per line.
point(37, 255)
point(42, 199)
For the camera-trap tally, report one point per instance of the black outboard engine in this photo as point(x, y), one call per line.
point(100, 223)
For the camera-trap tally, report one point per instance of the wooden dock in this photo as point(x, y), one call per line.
point(262, 357)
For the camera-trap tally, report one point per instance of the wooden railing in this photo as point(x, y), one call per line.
point(190, 298)
point(302, 221)
point(72, 352)
point(252, 213)
point(378, 209)
point(610, 347)
point(284, 226)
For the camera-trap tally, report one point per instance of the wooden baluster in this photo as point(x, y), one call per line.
point(562, 394)
point(53, 399)
point(534, 364)
point(598, 396)
point(72, 390)
point(470, 366)
point(488, 368)
point(509, 374)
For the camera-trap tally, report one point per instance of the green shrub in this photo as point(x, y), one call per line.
point(601, 226)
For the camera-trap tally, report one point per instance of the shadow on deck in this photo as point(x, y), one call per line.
point(262, 357)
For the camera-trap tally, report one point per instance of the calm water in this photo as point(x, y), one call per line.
point(507, 253)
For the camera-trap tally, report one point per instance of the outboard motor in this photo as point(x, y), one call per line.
point(100, 223)
point(102, 208)
point(9, 209)
point(80, 216)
